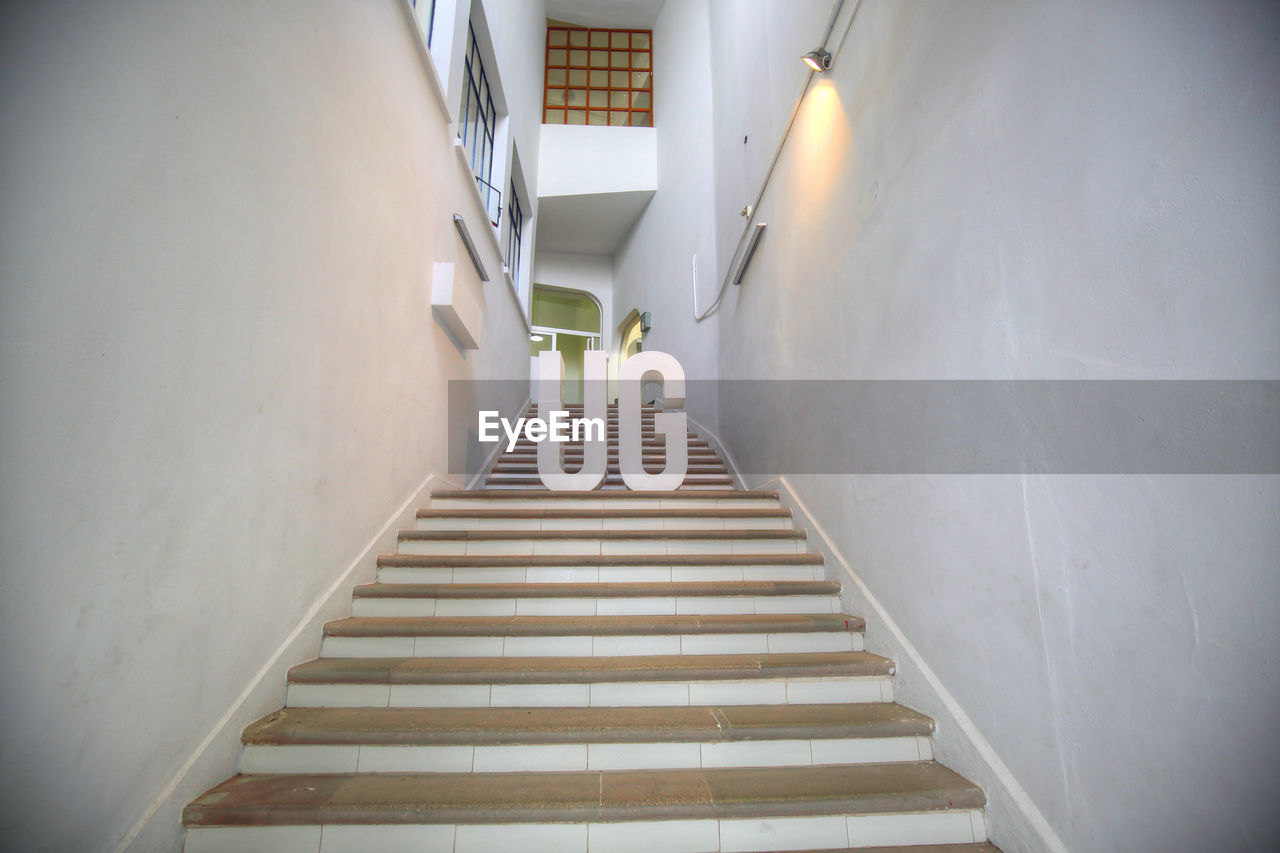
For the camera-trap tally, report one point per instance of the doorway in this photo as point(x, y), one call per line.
point(567, 321)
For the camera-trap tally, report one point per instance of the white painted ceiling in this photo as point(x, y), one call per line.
point(592, 224)
point(619, 14)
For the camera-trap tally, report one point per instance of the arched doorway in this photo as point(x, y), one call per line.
point(570, 322)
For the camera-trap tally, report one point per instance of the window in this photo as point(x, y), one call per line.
point(476, 125)
point(431, 18)
point(601, 77)
point(515, 222)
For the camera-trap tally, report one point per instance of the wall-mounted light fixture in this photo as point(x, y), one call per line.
point(535, 338)
point(819, 59)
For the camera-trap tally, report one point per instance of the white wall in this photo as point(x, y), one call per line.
point(1047, 190)
point(592, 273)
point(579, 159)
point(221, 375)
point(652, 269)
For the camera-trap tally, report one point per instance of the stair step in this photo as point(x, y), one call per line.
point(427, 726)
point(586, 670)
point(596, 590)
point(484, 495)
point(591, 626)
point(561, 594)
point(807, 678)
point(589, 636)
point(502, 799)
point(622, 518)
point(528, 560)
point(494, 740)
point(604, 568)
point(562, 542)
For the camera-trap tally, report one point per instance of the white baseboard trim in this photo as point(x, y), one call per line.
point(497, 451)
point(219, 749)
point(718, 446)
point(997, 771)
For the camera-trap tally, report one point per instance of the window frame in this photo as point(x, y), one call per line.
point(478, 127)
point(636, 115)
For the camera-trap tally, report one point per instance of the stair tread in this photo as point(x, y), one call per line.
point(579, 670)
point(621, 512)
point(709, 494)
point(656, 535)
point(595, 590)
point(556, 626)
point(404, 798)
point(421, 726)
point(972, 847)
point(539, 560)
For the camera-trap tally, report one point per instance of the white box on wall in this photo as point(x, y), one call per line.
point(455, 307)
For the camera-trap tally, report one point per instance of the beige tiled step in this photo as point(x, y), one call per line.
point(594, 636)
point(596, 590)
point(421, 726)
point(584, 670)
point(497, 495)
point(563, 542)
point(664, 680)
point(505, 740)
point(620, 518)
point(603, 626)
point(527, 560)
point(692, 478)
point(293, 800)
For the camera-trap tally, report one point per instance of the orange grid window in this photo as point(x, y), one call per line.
point(601, 77)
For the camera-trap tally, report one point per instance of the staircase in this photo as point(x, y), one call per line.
point(593, 671)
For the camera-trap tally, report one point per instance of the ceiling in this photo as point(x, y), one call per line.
point(618, 14)
point(593, 224)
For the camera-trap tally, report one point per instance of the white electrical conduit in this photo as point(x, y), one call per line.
point(764, 185)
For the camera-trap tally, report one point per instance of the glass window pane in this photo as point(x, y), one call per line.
point(618, 117)
point(640, 60)
point(620, 41)
point(577, 117)
point(618, 59)
point(558, 38)
point(618, 79)
point(556, 77)
point(639, 41)
point(557, 57)
point(577, 78)
point(578, 58)
point(599, 59)
point(577, 98)
point(640, 120)
point(618, 100)
point(554, 117)
point(599, 79)
point(555, 97)
point(599, 99)
point(640, 80)
point(578, 38)
point(640, 100)
point(599, 38)
point(599, 117)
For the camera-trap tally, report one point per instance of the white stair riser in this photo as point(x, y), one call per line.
point(637, 606)
point(478, 522)
point(729, 835)
point(600, 574)
point(587, 646)
point(613, 694)
point(596, 547)
point(517, 758)
point(549, 501)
